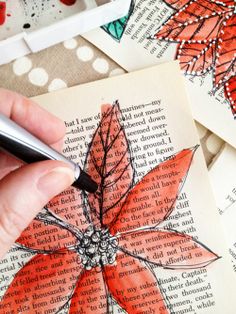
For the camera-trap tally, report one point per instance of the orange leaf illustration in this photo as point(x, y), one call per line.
point(230, 93)
point(45, 279)
point(133, 285)
point(109, 163)
point(155, 194)
point(226, 53)
point(81, 299)
point(196, 21)
point(205, 31)
point(196, 59)
point(186, 252)
point(95, 264)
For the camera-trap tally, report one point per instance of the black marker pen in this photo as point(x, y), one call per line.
point(26, 147)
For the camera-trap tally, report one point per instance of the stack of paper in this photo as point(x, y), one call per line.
point(151, 239)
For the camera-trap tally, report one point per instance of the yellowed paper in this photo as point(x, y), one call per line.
point(135, 50)
point(150, 240)
point(224, 187)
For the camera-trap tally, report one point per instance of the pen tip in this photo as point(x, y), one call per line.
point(85, 182)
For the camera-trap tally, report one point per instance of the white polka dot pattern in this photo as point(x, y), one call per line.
point(56, 84)
point(22, 66)
point(101, 65)
point(38, 77)
point(85, 53)
point(116, 72)
point(70, 43)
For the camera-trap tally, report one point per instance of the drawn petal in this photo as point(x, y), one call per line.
point(109, 164)
point(167, 249)
point(230, 93)
point(90, 298)
point(196, 59)
point(69, 206)
point(197, 21)
point(39, 236)
point(132, 284)
point(117, 28)
point(152, 199)
point(226, 52)
point(228, 3)
point(176, 4)
point(50, 277)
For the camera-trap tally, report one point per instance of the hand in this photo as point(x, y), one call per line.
point(25, 189)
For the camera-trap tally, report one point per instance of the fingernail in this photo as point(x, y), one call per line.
point(55, 181)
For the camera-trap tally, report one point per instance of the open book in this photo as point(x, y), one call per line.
point(200, 34)
point(150, 239)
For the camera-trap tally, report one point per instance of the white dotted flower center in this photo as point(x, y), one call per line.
point(97, 247)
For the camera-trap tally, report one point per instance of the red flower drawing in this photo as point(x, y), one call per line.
point(206, 33)
point(110, 240)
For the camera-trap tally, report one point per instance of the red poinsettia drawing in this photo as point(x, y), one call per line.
point(98, 249)
point(205, 31)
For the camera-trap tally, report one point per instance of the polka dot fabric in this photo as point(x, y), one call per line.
point(211, 143)
point(73, 62)
point(22, 66)
point(85, 53)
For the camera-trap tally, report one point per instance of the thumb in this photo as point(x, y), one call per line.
point(24, 192)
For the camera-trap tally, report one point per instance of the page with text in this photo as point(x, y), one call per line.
point(149, 240)
point(200, 34)
point(224, 189)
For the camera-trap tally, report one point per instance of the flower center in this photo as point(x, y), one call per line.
point(97, 247)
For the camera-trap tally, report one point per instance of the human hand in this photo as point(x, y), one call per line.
point(25, 189)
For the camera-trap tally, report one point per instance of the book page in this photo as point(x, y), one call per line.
point(145, 241)
point(225, 194)
point(186, 31)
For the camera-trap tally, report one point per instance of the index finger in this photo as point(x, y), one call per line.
point(32, 117)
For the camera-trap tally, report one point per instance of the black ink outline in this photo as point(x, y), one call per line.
point(225, 12)
point(113, 112)
point(122, 24)
point(179, 267)
point(50, 218)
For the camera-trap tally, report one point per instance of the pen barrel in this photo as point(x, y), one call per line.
point(21, 144)
point(26, 147)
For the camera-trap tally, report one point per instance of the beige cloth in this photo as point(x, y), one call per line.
point(74, 62)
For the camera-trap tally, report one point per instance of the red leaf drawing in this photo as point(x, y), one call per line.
point(206, 32)
point(226, 52)
point(69, 206)
point(177, 4)
point(151, 193)
point(126, 290)
point(186, 252)
point(42, 275)
point(228, 3)
point(109, 164)
point(39, 236)
point(197, 21)
point(197, 58)
point(82, 302)
point(230, 93)
point(44, 236)
point(94, 265)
